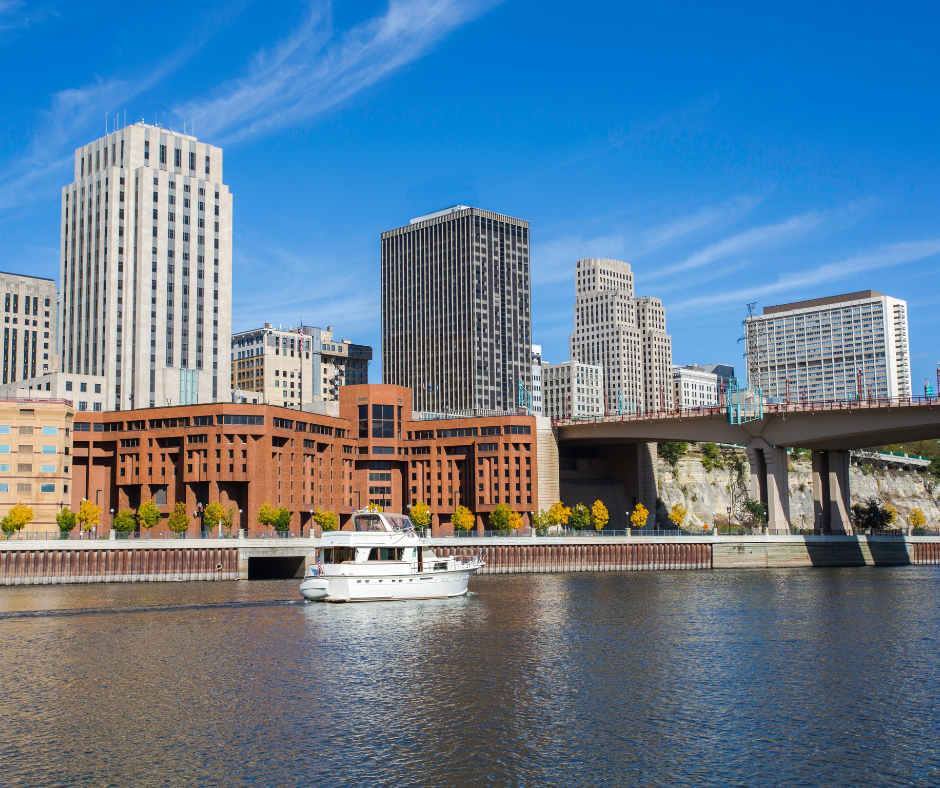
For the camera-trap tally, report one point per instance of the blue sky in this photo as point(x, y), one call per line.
point(730, 154)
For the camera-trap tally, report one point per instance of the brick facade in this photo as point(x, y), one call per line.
point(245, 455)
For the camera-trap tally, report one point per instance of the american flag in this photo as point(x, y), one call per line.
point(319, 564)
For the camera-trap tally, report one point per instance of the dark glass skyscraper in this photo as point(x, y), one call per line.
point(455, 309)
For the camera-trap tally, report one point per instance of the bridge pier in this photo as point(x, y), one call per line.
point(769, 483)
point(832, 502)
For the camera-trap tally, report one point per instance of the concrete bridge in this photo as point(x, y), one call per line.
point(830, 429)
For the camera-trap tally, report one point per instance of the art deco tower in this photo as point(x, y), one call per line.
point(146, 269)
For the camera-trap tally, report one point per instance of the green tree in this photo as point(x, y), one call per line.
point(672, 451)
point(267, 514)
point(65, 519)
point(935, 466)
point(326, 521)
point(282, 519)
point(89, 515)
point(148, 515)
point(462, 519)
point(124, 521)
point(501, 518)
point(559, 514)
point(212, 515)
point(541, 520)
point(599, 515)
point(179, 520)
point(756, 512)
point(639, 516)
point(580, 517)
point(711, 459)
point(228, 521)
point(421, 515)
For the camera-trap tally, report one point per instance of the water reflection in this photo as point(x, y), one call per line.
point(651, 678)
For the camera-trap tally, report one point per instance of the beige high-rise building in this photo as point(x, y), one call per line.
point(623, 334)
point(146, 273)
point(295, 366)
point(29, 326)
point(572, 390)
point(36, 459)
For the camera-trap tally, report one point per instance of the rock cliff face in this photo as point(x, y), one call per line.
point(706, 494)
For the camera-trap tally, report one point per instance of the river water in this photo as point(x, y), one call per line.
point(728, 678)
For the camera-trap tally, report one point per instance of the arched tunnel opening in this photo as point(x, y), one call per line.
point(273, 568)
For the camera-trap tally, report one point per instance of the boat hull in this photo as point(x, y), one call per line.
point(387, 588)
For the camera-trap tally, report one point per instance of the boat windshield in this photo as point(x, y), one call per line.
point(399, 522)
point(369, 522)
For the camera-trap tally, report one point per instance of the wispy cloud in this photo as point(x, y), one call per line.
point(311, 71)
point(554, 260)
point(803, 281)
point(14, 14)
point(284, 288)
point(748, 241)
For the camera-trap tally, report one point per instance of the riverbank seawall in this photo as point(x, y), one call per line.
point(41, 561)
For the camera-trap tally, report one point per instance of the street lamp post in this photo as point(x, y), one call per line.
point(729, 520)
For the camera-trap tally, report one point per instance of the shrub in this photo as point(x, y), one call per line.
point(65, 520)
point(501, 518)
point(677, 514)
point(639, 516)
point(755, 512)
point(871, 514)
point(212, 515)
point(462, 519)
point(559, 514)
point(267, 514)
point(89, 515)
point(148, 515)
point(326, 521)
point(124, 521)
point(711, 459)
point(580, 517)
point(672, 451)
point(599, 515)
point(421, 514)
point(541, 520)
point(282, 518)
point(179, 520)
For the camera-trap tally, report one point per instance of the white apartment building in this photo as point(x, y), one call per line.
point(623, 334)
point(146, 262)
point(29, 326)
point(294, 367)
point(694, 387)
point(832, 348)
point(572, 390)
point(537, 380)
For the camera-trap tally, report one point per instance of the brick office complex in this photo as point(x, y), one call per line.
point(245, 455)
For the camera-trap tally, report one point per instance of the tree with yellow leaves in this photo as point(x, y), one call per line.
point(559, 514)
point(639, 516)
point(462, 519)
point(89, 515)
point(917, 518)
point(515, 521)
point(892, 514)
point(17, 518)
point(599, 515)
point(420, 514)
point(677, 514)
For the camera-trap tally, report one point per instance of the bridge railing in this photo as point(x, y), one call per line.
point(793, 406)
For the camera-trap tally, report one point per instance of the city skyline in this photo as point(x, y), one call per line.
point(726, 192)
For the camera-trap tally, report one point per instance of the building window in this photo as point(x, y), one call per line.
point(383, 421)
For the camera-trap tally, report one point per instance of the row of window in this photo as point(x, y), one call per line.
point(27, 449)
point(45, 487)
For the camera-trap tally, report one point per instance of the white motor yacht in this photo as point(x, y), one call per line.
point(383, 559)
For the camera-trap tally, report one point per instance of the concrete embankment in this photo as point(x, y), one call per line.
point(40, 562)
